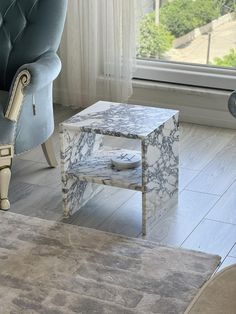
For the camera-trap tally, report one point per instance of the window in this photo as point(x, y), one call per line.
point(189, 42)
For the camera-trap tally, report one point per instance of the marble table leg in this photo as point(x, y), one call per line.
point(76, 146)
point(160, 160)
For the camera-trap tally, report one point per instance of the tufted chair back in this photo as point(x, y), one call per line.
point(27, 33)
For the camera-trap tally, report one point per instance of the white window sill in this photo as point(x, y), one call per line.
point(186, 74)
point(185, 89)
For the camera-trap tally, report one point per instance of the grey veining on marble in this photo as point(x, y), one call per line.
point(51, 268)
point(115, 119)
point(98, 169)
point(76, 147)
point(83, 169)
point(160, 155)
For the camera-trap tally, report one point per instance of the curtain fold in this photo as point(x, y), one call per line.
point(98, 52)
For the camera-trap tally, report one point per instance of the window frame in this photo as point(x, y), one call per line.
point(196, 75)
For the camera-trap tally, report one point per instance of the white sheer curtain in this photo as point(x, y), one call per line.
point(98, 52)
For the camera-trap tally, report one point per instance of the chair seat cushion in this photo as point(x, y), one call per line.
point(7, 127)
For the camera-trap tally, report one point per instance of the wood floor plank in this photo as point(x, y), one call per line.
point(35, 201)
point(200, 144)
point(36, 173)
point(219, 174)
point(224, 210)
point(126, 220)
point(185, 177)
point(212, 237)
point(232, 253)
point(181, 220)
point(35, 154)
point(100, 207)
point(173, 229)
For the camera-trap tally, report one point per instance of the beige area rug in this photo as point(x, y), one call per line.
point(218, 295)
point(52, 268)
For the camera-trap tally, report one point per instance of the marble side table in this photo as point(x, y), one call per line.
point(86, 165)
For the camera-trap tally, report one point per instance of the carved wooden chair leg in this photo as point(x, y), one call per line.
point(5, 177)
point(6, 155)
point(49, 153)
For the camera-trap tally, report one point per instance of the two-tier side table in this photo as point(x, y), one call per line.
point(86, 165)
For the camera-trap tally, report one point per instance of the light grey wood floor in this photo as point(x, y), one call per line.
point(204, 219)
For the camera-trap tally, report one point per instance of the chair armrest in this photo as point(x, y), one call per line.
point(29, 79)
point(16, 95)
point(43, 72)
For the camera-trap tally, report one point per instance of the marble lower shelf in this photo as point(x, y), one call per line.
point(97, 169)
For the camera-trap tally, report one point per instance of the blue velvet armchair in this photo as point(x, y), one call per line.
point(30, 33)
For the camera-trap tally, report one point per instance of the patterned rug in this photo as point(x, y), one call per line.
point(52, 268)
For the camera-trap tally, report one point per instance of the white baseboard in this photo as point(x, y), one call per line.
point(196, 105)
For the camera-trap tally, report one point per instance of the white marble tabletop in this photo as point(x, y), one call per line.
point(123, 120)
